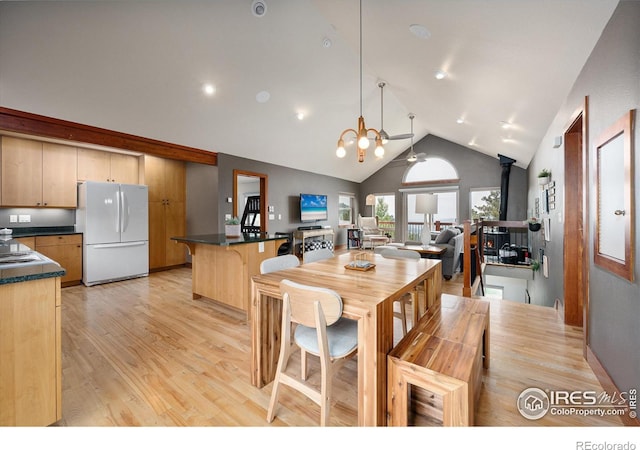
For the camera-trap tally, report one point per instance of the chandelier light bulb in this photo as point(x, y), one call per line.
point(340, 151)
point(379, 151)
point(363, 142)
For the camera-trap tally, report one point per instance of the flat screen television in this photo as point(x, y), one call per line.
point(313, 207)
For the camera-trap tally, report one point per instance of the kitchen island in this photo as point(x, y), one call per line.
point(222, 266)
point(30, 336)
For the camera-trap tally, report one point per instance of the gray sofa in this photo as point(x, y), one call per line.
point(452, 239)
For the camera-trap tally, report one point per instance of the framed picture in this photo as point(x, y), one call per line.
point(546, 225)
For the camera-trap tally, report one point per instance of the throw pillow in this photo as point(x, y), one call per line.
point(445, 236)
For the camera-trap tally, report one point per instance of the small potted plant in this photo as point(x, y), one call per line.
point(534, 224)
point(544, 176)
point(535, 265)
point(232, 227)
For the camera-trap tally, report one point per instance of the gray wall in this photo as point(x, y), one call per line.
point(611, 80)
point(202, 199)
point(476, 170)
point(284, 188)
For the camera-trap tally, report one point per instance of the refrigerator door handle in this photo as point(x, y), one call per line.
point(124, 212)
point(118, 215)
point(120, 244)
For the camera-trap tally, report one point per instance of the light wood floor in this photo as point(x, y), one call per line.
point(143, 353)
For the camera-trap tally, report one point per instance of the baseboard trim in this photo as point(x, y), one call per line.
point(607, 383)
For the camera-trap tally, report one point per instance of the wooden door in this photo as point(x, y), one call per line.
point(93, 165)
point(575, 250)
point(21, 172)
point(157, 245)
point(175, 253)
point(66, 250)
point(154, 177)
point(28, 340)
point(124, 168)
point(59, 175)
point(175, 180)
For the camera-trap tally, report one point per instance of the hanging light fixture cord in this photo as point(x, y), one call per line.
point(360, 58)
point(362, 131)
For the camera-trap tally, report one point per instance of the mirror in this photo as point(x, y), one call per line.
point(614, 243)
point(250, 200)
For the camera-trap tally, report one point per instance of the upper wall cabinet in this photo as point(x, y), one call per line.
point(96, 165)
point(38, 174)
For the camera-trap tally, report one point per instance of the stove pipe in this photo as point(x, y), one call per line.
point(506, 163)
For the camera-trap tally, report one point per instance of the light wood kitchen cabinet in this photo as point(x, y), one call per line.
point(31, 353)
point(166, 179)
point(37, 174)
point(97, 165)
point(66, 250)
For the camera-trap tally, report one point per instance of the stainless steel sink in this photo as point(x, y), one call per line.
point(12, 260)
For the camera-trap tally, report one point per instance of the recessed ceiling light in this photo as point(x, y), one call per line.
point(258, 8)
point(420, 31)
point(460, 120)
point(209, 89)
point(300, 115)
point(326, 42)
point(440, 74)
point(263, 97)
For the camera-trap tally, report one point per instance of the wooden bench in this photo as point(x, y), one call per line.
point(434, 374)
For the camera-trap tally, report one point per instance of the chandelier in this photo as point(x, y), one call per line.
point(362, 133)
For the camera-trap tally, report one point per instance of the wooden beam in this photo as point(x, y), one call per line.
point(36, 125)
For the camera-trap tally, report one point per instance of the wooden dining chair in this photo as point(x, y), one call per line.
point(322, 331)
point(279, 263)
point(409, 298)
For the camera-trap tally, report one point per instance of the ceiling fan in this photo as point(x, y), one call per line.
point(383, 134)
point(412, 156)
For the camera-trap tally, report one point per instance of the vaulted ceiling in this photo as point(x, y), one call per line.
point(139, 67)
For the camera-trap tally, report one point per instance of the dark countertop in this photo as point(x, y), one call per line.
point(221, 239)
point(43, 231)
point(46, 269)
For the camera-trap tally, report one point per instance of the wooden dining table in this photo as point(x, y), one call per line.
point(367, 297)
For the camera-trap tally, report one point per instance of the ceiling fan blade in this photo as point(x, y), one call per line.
point(401, 136)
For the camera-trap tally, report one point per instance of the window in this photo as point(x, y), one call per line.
point(427, 171)
point(431, 169)
point(345, 209)
point(485, 203)
point(385, 211)
point(447, 210)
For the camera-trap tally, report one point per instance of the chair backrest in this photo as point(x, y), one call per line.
point(367, 222)
point(302, 299)
point(317, 255)
point(279, 263)
point(394, 253)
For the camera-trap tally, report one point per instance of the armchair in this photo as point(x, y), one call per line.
point(369, 227)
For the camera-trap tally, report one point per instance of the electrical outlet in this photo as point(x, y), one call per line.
point(24, 218)
point(13, 218)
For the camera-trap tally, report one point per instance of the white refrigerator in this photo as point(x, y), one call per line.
point(114, 221)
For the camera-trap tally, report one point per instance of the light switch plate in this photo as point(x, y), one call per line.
point(23, 218)
point(13, 218)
